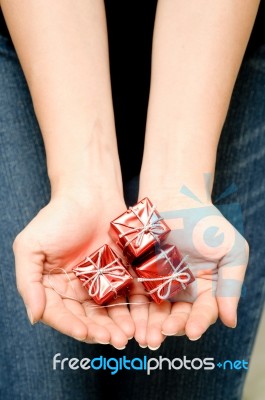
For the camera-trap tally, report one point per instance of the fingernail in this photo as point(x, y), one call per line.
point(80, 339)
point(143, 346)
point(103, 342)
point(130, 338)
point(171, 334)
point(120, 348)
point(197, 338)
point(235, 323)
point(30, 317)
point(153, 348)
point(167, 334)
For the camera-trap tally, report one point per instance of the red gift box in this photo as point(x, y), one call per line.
point(103, 274)
point(139, 229)
point(164, 274)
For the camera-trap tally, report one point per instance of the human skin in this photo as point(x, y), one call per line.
point(63, 50)
point(65, 61)
point(198, 48)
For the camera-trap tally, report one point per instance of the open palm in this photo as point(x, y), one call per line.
point(218, 256)
point(60, 236)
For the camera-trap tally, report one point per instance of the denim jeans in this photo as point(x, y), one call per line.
point(27, 352)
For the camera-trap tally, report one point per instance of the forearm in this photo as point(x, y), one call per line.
point(62, 46)
point(198, 47)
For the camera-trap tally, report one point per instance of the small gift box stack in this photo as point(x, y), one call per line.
point(140, 232)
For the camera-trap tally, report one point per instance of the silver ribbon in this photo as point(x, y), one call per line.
point(98, 271)
point(155, 228)
point(178, 275)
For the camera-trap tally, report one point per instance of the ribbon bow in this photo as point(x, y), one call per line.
point(178, 275)
point(155, 228)
point(98, 271)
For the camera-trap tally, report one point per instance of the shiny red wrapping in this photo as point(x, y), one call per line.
point(160, 266)
point(139, 229)
point(103, 274)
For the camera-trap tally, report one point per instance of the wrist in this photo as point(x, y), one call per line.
point(166, 171)
point(179, 187)
point(187, 183)
point(86, 176)
point(88, 164)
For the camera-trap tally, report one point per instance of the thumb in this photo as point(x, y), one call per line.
point(231, 274)
point(29, 270)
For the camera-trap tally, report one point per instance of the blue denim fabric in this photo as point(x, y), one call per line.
point(26, 352)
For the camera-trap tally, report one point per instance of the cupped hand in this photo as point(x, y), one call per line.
point(218, 257)
point(61, 235)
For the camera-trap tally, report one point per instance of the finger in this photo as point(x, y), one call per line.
point(61, 318)
point(176, 321)
point(95, 332)
point(99, 315)
point(120, 314)
point(204, 312)
point(228, 293)
point(157, 314)
point(231, 273)
point(139, 313)
point(29, 267)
